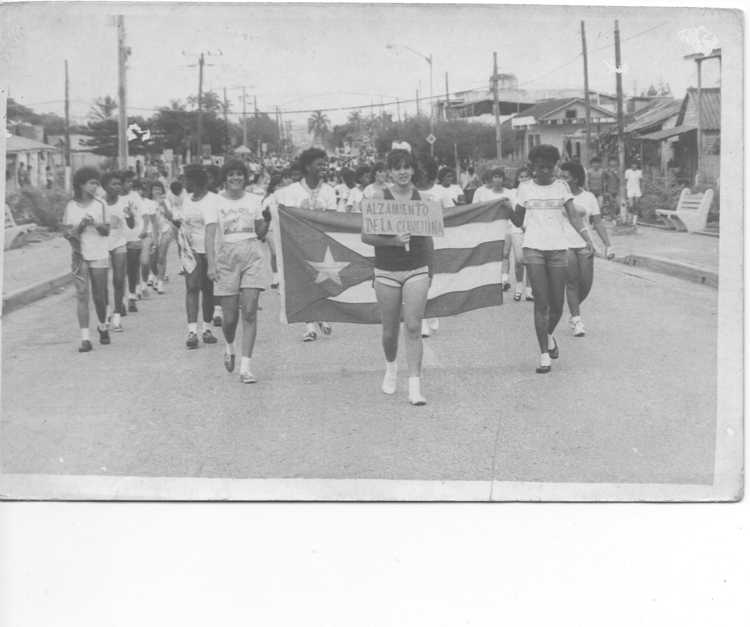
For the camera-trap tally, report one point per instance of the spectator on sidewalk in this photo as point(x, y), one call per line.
point(633, 176)
point(612, 188)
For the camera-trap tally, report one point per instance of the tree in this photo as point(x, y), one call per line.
point(318, 125)
point(103, 109)
point(211, 103)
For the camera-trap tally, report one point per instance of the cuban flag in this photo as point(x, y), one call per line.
point(326, 271)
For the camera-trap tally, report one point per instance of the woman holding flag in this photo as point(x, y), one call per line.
point(402, 278)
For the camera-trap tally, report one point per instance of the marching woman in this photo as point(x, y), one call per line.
point(402, 278)
point(87, 230)
point(166, 231)
point(581, 259)
point(238, 266)
point(546, 204)
point(191, 220)
point(119, 222)
point(514, 243)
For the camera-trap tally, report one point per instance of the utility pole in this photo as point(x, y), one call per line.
point(445, 109)
point(587, 100)
point(496, 109)
point(226, 124)
point(199, 148)
point(122, 112)
point(699, 136)
point(244, 118)
point(620, 126)
point(398, 109)
point(418, 111)
point(67, 128)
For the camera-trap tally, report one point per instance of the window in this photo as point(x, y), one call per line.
point(571, 114)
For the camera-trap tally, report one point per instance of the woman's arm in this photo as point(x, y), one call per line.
point(577, 222)
point(599, 227)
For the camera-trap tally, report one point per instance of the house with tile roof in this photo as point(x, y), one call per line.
point(33, 155)
point(560, 122)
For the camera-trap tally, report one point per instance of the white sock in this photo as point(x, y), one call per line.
point(116, 319)
point(391, 367)
point(505, 278)
point(415, 392)
point(244, 364)
point(102, 326)
point(217, 310)
point(192, 327)
point(551, 342)
point(310, 326)
point(230, 348)
point(85, 335)
point(575, 319)
point(131, 296)
point(545, 360)
point(275, 277)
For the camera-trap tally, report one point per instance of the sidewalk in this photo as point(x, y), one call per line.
point(40, 268)
point(690, 256)
point(34, 271)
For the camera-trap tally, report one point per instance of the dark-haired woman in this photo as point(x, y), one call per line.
point(87, 230)
point(119, 223)
point(239, 265)
point(580, 258)
point(192, 221)
point(546, 204)
point(311, 192)
point(402, 279)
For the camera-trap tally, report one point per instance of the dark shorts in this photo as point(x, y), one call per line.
point(550, 258)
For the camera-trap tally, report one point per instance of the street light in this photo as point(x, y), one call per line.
point(392, 46)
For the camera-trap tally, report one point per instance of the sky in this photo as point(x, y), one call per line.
point(303, 57)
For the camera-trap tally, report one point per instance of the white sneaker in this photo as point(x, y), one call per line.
point(578, 329)
point(160, 287)
point(571, 323)
point(434, 324)
point(425, 328)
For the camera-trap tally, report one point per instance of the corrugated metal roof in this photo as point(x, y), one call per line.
point(16, 143)
point(669, 132)
point(652, 115)
point(546, 107)
point(710, 107)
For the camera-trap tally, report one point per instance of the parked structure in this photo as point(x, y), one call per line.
point(26, 162)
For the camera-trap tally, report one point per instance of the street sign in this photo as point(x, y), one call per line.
point(431, 139)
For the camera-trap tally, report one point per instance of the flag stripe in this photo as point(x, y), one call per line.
point(445, 305)
point(464, 279)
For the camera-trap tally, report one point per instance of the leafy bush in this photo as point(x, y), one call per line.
point(45, 207)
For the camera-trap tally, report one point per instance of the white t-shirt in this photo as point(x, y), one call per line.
point(236, 217)
point(485, 193)
point(454, 191)
point(322, 198)
point(633, 182)
point(134, 202)
point(545, 214)
point(118, 228)
point(439, 194)
point(356, 196)
point(586, 205)
point(94, 246)
point(149, 208)
point(193, 215)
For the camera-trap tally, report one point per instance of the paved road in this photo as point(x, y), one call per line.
point(633, 401)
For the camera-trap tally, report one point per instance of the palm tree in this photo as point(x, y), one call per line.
point(319, 125)
point(355, 119)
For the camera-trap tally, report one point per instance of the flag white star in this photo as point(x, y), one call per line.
point(329, 268)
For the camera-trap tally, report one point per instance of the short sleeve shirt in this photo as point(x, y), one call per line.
point(545, 214)
point(148, 208)
point(633, 182)
point(94, 245)
point(236, 216)
point(322, 198)
point(586, 205)
point(118, 228)
point(484, 193)
point(193, 215)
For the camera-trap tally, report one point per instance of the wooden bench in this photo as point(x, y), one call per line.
point(691, 213)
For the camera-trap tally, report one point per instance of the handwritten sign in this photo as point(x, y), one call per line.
point(393, 217)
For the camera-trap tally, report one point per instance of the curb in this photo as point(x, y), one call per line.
point(28, 295)
point(672, 268)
